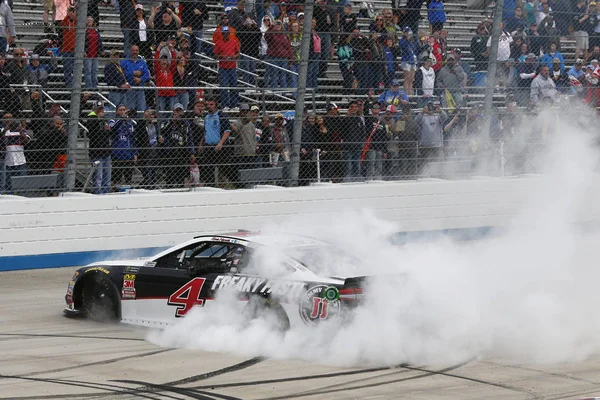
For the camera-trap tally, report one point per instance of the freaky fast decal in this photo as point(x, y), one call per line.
point(250, 284)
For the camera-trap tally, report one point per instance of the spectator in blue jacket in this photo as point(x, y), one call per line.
point(577, 70)
point(137, 75)
point(124, 154)
point(550, 55)
point(393, 96)
point(436, 15)
point(114, 77)
point(409, 51)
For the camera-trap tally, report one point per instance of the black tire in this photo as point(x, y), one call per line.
point(268, 311)
point(100, 300)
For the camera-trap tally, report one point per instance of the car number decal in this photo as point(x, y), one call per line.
point(187, 297)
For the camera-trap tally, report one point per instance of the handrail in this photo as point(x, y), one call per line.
point(64, 110)
point(105, 99)
point(253, 58)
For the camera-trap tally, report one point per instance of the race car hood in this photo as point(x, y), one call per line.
point(135, 262)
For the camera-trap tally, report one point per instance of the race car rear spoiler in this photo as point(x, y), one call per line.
point(353, 288)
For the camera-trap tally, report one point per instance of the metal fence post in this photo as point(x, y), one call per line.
point(301, 92)
point(75, 107)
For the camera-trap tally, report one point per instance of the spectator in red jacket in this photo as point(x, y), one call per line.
point(163, 72)
point(227, 51)
point(279, 54)
point(67, 33)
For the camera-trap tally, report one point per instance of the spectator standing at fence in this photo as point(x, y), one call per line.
point(393, 96)
point(114, 77)
point(425, 82)
point(582, 39)
point(480, 55)
point(124, 153)
point(376, 133)
point(193, 16)
point(526, 71)
point(453, 79)
point(430, 125)
point(238, 15)
point(18, 71)
point(551, 54)
point(140, 35)
point(163, 73)
point(249, 35)
point(436, 15)
point(214, 146)
point(280, 54)
point(137, 74)
point(100, 144)
point(40, 72)
point(15, 140)
point(177, 147)
point(325, 18)
point(128, 23)
point(93, 49)
point(353, 139)
point(183, 80)
point(67, 44)
point(245, 141)
point(167, 26)
point(549, 31)
point(7, 27)
point(543, 88)
point(227, 51)
point(512, 23)
point(409, 50)
point(504, 43)
point(314, 57)
point(218, 33)
point(560, 76)
point(296, 43)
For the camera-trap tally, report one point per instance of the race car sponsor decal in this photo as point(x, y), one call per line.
point(249, 284)
point(69, 296)
point(319, 303)
point(187, 297)
point(128, 292)
point(98, 269)
point(223, 239)
point(132, 270)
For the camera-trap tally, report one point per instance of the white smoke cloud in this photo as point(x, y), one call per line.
point(528, 295)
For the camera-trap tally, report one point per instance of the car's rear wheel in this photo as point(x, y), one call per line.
point(100, 298)
point(268, 311)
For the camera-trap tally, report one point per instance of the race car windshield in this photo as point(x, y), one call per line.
point(325, 260)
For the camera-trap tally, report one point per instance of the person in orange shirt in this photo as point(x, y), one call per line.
point(227, 51)
point(218, 35)
point(67, 33)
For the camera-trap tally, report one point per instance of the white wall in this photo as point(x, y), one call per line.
point(130, 221)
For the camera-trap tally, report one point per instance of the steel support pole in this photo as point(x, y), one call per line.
point(301, 92)
point(75, 107)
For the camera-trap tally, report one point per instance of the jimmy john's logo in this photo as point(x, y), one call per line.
point(320, 303)
point(249, 284)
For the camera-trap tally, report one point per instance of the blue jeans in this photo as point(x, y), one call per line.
point(126, 43)
point(247, 65)
point(313, 74)
point(184, 99)
point(17, 170)
point(293, 77)
point(163, 105)
point(2, 177)
point(136, 100)
point(3, 44)
point(276, 77)
point(353, 167)
point(102, 176)
point(374, 161)
point(228, 78)
point(90, 72)
point(480, 78)
point(325, 50)
point(68, 61)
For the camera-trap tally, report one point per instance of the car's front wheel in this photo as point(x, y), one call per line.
point(100, 298)
point(268, 311)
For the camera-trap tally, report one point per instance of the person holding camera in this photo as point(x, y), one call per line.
point(100, 148)
point(14, 138)
point(430, 125)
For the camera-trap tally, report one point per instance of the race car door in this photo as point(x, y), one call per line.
point(178, 282)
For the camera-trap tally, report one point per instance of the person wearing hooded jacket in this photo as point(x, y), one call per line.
point(124, 154)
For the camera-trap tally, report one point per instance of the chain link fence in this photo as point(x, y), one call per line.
point(172, 100)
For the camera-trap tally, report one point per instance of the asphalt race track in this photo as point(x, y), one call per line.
point(44, 355)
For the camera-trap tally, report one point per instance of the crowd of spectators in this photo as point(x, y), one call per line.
point(411, 98)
